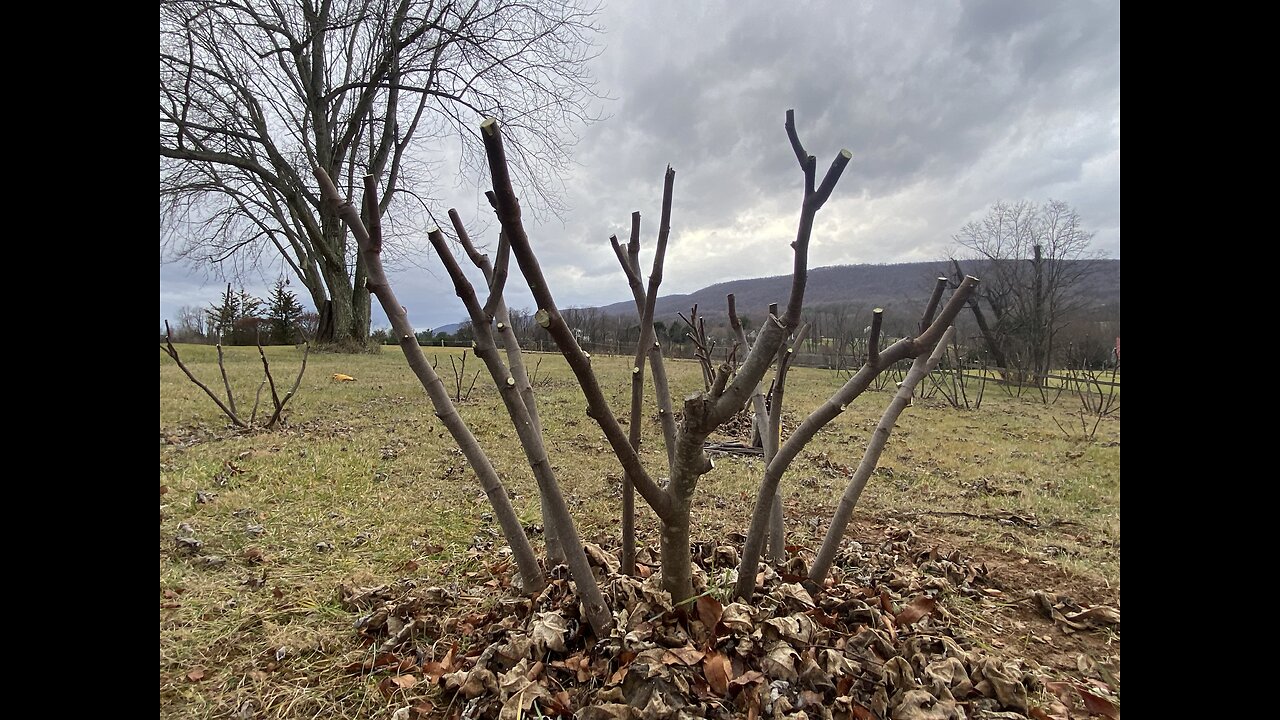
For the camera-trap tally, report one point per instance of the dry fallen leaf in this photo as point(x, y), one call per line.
point(1098, 615)
point(916, 609)
point(737, 618)
point(1061, 689)
point(795, 592)
point(549, 631)
point(779, 662)
point(888, 625)
point(709, 611)
point(862, 713)
point(384, 659)
point(433, 669)
point(1098, 705)
point(718, 672)
point(684, 655)
point(196, 674)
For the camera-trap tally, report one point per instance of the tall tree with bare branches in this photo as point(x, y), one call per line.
point(256, 93)
point(1035, 258)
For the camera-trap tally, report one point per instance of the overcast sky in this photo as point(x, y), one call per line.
point(946, 107)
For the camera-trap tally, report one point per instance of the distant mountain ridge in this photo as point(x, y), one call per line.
point(872, 285)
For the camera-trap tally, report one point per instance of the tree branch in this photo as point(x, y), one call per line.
point(173, 353)
point(922, 366)
point(513, 530)
point(549, 318)
point(828, 411)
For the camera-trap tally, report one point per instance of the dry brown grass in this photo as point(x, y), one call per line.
point(365, 472)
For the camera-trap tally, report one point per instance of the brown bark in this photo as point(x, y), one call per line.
point(873, 340)
point(173, 353)
point(706, 411)
point(988, 335)
point(938, 288)
point(597, 611)
point(276, 401)
point(222, 368)
point(761, 413)
point(530, 573)
point(775, 330)
point(548, 317)
point(647, 338)
point(777, 526)
point(230, 412)
point(828, 411)
point(702, 412)
point(662, 389)
point(647, 344)
point(496, 307)
point(922, 366)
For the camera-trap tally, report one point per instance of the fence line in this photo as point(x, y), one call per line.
point(824, 361)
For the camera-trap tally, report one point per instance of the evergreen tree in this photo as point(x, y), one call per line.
point(236, 318)
point(283, 311)
point(249, 323)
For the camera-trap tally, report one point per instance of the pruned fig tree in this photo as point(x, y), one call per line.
point(730, 387)
point(237, 416)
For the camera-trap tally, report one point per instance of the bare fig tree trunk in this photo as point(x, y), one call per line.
point(647, 345)
point(727, 388)
point(548, 317)
point(703, 412)
point(768, 421)
point(530, 440)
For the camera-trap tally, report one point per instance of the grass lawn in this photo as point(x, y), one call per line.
point(364, 486)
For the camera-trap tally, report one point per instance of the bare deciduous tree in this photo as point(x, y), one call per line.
point(191, 324)
point(1034, 259)
point(255, 93)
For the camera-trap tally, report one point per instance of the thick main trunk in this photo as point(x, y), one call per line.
point(347, 323)
point(691, 463)
point(340, 308)
point(988, 336)
point(1040, 344)
point(360, 302)
point(677, 563)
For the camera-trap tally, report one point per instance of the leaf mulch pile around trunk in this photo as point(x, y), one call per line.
point(878, 642)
